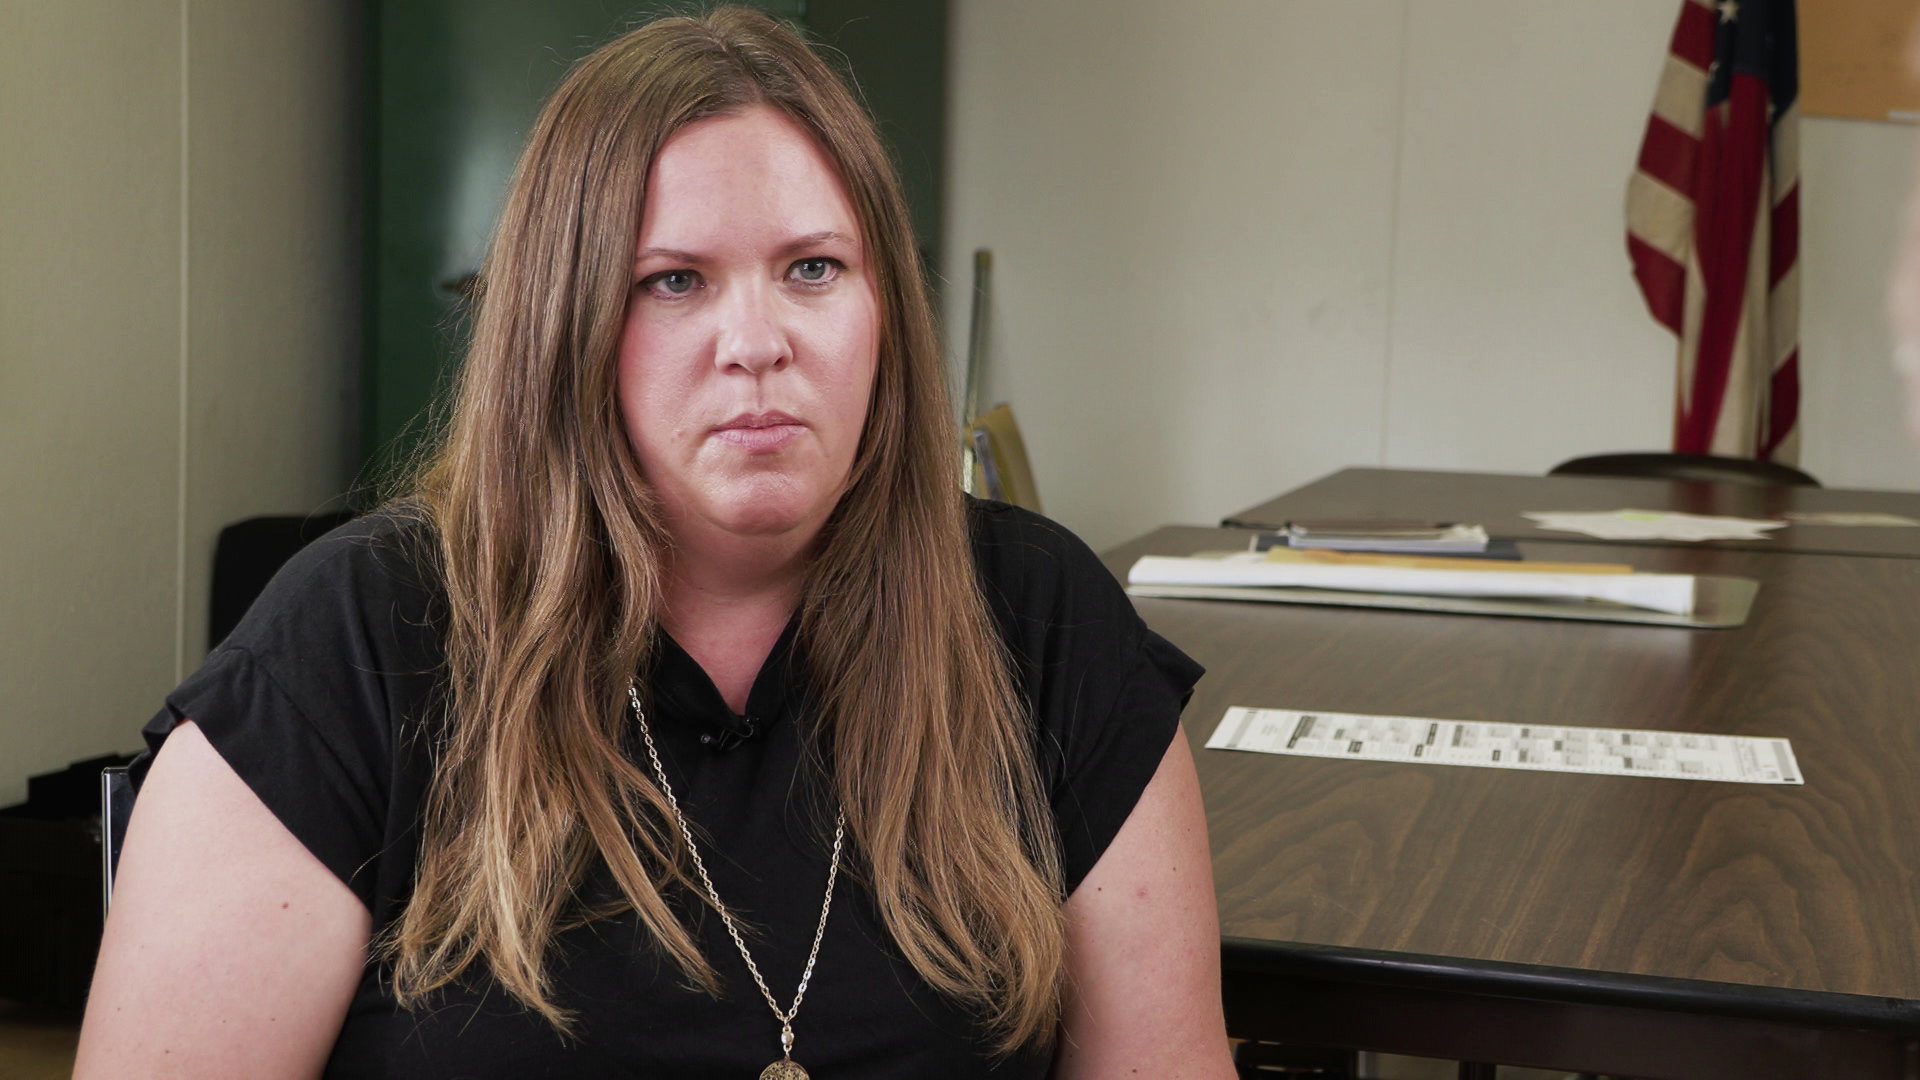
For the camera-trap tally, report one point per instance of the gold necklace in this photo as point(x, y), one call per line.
point(786, 1068)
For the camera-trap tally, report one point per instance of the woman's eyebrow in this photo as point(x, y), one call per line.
point(826, 236)
point(663, 253)
point(793, 246)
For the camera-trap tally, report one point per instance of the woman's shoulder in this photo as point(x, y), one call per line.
point(1065, 618)
point(394, 545)
point(382, 563)
point(362, 601)
point(1034, 568)
point(1105, 691)
point(313, 698)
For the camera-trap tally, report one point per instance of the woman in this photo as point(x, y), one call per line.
point(687, 721)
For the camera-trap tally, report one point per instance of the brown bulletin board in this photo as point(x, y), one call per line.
point(1855, 59)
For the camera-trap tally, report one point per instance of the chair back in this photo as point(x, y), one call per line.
point(248, 554)
point(1000, 468)
point(116, 805)
point(1707, 467)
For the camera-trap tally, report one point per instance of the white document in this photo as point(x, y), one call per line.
point(1671, 593)
point(1611, 751)
point(1651, 525)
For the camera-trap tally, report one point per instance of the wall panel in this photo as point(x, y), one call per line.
point(1855, 176)
point(90, 274)
point(274, 308)
point(1519, 337)
point(178, 333)
point(1190, 214)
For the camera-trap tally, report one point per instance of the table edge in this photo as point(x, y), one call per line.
point(1246, 525)
point(1491, 978)
point(1244, 519)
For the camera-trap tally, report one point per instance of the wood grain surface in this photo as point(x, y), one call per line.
point(1811, 887)
point(1496, 501)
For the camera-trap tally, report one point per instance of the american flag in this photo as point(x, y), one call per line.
point(1713, 226)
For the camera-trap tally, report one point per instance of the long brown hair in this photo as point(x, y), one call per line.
point(551, 550)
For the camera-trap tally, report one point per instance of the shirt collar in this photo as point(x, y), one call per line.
point(684, 696)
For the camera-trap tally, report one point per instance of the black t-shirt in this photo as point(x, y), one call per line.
point(325, 701)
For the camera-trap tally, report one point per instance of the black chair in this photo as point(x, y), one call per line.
point(1707, 467)
point(247, 556)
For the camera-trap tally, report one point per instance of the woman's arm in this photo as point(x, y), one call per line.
point(230, 950)
point(1143, 941)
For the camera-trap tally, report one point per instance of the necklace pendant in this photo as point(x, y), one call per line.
point(784, 1069)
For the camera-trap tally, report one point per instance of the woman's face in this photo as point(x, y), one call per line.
point(752, 331)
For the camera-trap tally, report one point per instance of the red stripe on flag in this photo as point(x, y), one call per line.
point(1662, 281)
point(1783, 409)
point(1727, 204)
point(1669, 155)
point(1784, 236)
point(1693, 35)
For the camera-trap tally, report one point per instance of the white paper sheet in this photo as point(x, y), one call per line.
point(1671, 593)
point(1540, 748)
point(1631, 524)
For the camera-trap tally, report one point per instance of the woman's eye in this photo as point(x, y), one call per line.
point(671, 282)
point(814, 271)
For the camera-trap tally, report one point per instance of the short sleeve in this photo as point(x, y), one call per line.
point(312, 698)
point(1106, 691)
point(1109, 754)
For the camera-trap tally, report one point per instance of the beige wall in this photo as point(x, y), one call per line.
point(178, 332)
point(1241, 243)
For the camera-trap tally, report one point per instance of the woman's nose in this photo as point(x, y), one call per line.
point(751, 336)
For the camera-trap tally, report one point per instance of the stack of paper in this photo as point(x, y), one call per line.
point(1434, 562)
point(1670, 593)
point(1434, 539)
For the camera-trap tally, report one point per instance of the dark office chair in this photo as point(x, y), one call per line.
point(1708, 467)
point(247, 556)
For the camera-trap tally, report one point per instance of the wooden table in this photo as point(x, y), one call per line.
point(1646, 927)
point(1496, 501)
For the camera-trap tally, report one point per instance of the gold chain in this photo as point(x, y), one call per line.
point(700, 867)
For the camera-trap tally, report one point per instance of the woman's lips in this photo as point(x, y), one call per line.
point(760, 433)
